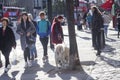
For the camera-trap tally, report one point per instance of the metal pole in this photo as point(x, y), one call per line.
point(3, 2)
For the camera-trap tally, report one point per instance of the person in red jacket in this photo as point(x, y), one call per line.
point(57, 31)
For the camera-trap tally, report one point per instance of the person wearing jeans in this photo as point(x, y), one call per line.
point(107, 20)
point(33, 50)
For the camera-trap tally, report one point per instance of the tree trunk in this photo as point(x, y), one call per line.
point(74, 58)
point(49, 3)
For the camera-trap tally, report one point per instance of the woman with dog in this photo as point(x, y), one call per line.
point(7, 41)
point(57, 31)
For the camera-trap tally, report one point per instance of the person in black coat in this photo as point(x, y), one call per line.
point(7, 41)
point(118, 23)
point(98, 40)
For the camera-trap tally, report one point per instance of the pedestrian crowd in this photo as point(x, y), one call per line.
point(28, 29)
point(97, 21)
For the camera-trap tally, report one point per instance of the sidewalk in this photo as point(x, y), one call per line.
point(91, 64)
point(108, 65)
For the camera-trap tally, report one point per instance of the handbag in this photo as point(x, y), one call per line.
point(0, 60)
point(30, 39)
point(14, 61)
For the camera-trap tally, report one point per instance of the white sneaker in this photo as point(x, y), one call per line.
point(45, 58)
point(26, 65)
point(9, 66)
point(29, 63)
point(6, 70)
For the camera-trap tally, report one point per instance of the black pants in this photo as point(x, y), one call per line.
point(6, 54)
point(93, 37)
point(118, 30)
point(27, 54)
point(79, 27)
point(96, 39)
point(102, 42)
point(44, 42)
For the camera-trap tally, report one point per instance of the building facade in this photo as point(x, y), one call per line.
point(31, 6)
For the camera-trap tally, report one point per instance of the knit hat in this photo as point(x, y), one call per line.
point(24, 13)
point(5, 19)
point(42, 13)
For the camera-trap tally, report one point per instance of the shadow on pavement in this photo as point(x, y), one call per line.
point(88, 63)
point(76, 74)
point(115, 34)
point(14, 75)
point(30, 73)
point(67, 74)
point(85, 38)
point(5, 77)
point(108, 49)
point(48, 68)
point(110, 40)
point(111, 62)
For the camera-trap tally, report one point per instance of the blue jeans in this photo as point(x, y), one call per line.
point(105, 29)
point(33, 51)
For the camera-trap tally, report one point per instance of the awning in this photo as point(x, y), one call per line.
point(107, 5)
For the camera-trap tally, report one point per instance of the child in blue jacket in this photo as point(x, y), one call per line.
point(43, 30)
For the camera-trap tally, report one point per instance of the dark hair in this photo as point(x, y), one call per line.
point(96, 10)
point(5, 19)
point(27, 21)
point(24, 13)
point(55, 19)
point(60, 17)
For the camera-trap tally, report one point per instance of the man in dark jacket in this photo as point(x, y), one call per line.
point(97, 30)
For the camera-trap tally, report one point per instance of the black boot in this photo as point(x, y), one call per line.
point(118, 34)
point(98, 53)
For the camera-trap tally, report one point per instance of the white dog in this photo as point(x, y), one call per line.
point(61, 56)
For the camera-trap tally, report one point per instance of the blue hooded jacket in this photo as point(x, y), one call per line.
point(43, 28)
